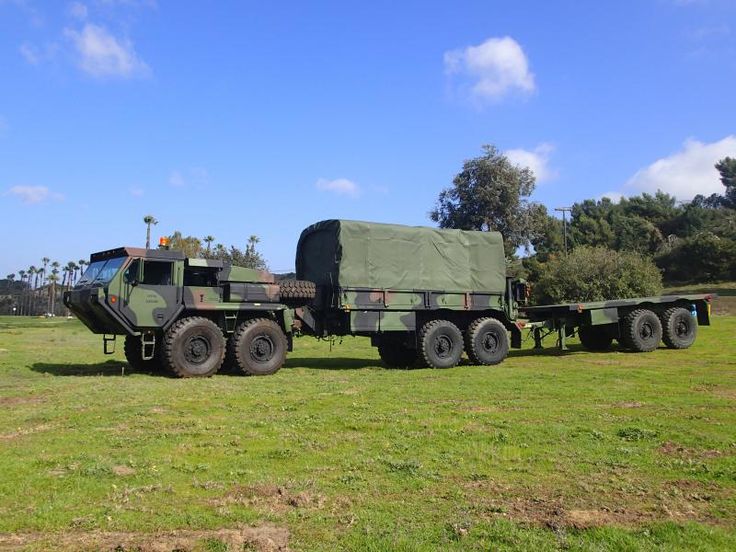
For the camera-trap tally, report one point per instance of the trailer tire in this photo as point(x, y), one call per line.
point(300, 291)
point(679, 328)
point(595, 338)
point(194, 347)
point(440, 344)
point(642, 331)
point(133, 354)
point(397, 355)
point(486, 341)
point(259, 347)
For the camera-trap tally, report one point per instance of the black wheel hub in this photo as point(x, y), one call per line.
point(262, 348)
point(646, 331)
point(197, 349)
point(489, 342)
point(443, 346)
point(682, 329)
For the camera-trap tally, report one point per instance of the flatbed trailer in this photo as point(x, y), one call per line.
point(638, 323)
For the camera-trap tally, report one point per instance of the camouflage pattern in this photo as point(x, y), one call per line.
point(565, 319)
point(151, 289)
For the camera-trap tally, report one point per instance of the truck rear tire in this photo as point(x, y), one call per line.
point(194, 347)
point(133, 354)
point(595, 338)
point(486, 341)
point(440, 344)
point(397, 355)
point(642, 331)
point(259, 347)
point(679, 328)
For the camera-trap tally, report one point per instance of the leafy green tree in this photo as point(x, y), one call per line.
point(491, 193)
point(596, 274)
point(705, 257)
point(727, 169)
point(190, 245)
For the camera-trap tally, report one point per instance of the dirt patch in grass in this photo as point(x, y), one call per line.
point(632, 404)
point(271, 498)
point(16, 401)
point(21, 432)
point(265, 538)
point(673, 449)
point(123, 470)
point(679, 501)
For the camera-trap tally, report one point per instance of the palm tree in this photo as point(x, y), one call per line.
point(22, 274)
point(52, 296)
point(82, 264)
point(208, 240)
point(33, 284)
point(45, 262)
point(149, 220)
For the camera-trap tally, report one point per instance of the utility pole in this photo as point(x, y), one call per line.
point(564, 210)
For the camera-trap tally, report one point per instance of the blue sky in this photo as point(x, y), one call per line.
point(240, 118)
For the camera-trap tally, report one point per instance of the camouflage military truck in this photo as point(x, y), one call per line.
point(187, 315)
point(425, 295)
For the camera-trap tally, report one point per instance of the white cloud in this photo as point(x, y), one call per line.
point(78, 10)
point(33, 194)
point(30, 53)
point(616, 197)
point(136, 192)
point(196, 176)
point(103, 55)
point(177, 180)
point(339, 186)
point(687, 172)
point(492, 69)
point(537, 160)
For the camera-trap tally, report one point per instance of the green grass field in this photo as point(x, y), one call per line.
point(580, 451)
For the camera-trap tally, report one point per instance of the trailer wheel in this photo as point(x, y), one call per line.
point(642, 331)
point(397, 355)
point(595, 338)
point(679, 328)
point(259, 347)
point(486, 341)
point(133, 354)
point(440, 344)
point(194, 347)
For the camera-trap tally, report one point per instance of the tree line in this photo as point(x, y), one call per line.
point(687, 242)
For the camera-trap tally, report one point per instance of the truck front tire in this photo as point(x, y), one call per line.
point(133, 354)
point(194, 347)
point(642, 331)
point(440, 344)
point(486, 341)
point(679, 328)
point(259, 347)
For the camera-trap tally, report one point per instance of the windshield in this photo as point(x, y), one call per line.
point(101, 271)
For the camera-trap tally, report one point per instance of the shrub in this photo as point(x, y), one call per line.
point(596, 274)
point(702, 258)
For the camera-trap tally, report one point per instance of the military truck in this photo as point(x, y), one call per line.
point(187, 315)
point(424, 296)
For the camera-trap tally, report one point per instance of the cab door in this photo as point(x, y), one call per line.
point(150, 295)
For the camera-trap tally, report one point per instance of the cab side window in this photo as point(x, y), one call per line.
point(131, 273)
point(157, 273)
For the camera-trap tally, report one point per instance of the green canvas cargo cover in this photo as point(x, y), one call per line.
point(353, 254)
